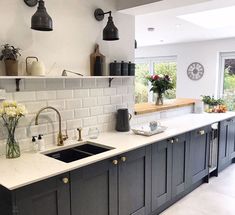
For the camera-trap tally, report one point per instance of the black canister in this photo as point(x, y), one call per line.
point(115, 69)
point(123, 120)
point(98, 68)
point(131, 69)
point(124, 68)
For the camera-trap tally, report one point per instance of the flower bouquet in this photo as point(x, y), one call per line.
point(160, 84)
point(11, 112)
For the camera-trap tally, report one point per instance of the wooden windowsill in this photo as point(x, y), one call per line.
point(144, 108)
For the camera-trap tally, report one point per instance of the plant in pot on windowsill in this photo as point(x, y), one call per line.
point(11, 112)
point(160, 84)
point(10, 56)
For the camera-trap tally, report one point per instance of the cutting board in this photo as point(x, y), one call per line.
point(93, 56)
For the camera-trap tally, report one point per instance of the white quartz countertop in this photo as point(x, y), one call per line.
point(33, 167)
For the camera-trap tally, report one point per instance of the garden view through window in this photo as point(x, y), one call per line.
point(228, 89)
point(146, 67)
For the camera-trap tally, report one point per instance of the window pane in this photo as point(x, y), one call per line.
point(141, 84)
point(229, 83)
point(167, 68)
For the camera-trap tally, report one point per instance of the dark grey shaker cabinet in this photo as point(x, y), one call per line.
point(226, 143)
point(161, 173)
point(180, 164)
point(94, 189)
point(49, 197)
point(134, 175)
point(199, 154)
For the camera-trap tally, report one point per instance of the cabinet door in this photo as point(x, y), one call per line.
point(49, 197)
point(199, 154)
point(161, 173)
point(134, 182)
point(94, 189)
point(180, 164)
point(231, 138)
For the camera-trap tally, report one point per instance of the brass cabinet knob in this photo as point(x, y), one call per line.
point(202, 132)
point(115, 162)
point(65, 180)
point(171, 141)
point(123, 159)
point(177, 140)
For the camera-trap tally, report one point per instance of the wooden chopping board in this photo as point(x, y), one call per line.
point(93, 56)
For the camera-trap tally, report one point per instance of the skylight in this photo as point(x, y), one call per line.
point(212, 19)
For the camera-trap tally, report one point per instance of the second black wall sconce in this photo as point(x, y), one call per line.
point(110, 32)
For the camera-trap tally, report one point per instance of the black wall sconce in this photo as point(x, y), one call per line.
point(41, 21)
point(110, 32)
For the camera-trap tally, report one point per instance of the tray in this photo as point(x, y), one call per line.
point(146, 131)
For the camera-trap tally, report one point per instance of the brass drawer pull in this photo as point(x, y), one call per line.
point(123, 159)
point(65, 180)
point(171, 141)
point(176, 140)
point(202, 132)
point(115, 162)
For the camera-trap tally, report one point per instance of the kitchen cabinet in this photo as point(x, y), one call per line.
point(120, 185)
point(199, 154)
point(161, 173)
point(226, 143)
point(180, 164)
point(49, 197)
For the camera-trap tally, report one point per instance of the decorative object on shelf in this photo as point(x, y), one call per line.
point(195, 71)
point(97, 62)
point(93, 133)
point(131, 69)
point(41, 21)
point(212, 105)
point(123, 120)
point(110, 32)
point(160, 84)
point(35, 68)
point(11, 112)
point(124, 68)
point(136, 44)
point(10, 56)
point(115, 69)
point(64, 73)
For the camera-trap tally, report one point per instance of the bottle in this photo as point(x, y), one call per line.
point(41, 143)
point(35, 143)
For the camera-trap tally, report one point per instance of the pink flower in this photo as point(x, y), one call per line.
point(156, 77)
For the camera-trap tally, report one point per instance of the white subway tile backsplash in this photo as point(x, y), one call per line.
point(102, 83)
point(73, 124)
point(73, 104)
point(104, 100)
point(105, 118)
point(82, 113)
point(54, 84)
point(89, 102)
point(34, 107)
point(64, 94)
point(31, 85)
point(45, 95)
point(96, 110)
point(96, 92)
point(81, 93)
point(24, 96)
point(58, 104)
point(73, 83)
point(116, 100)
point(91, 121)
point(35, 130)
point(88, 83)
point(67, 114)
point(122, 90)
point(110, 91)
point(54, 127)
point(110, 109)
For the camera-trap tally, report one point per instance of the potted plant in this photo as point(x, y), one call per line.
point(9, 55)
point(160, 84)
point(11, 112)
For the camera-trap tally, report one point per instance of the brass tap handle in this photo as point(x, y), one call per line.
point(123, 159)
point(115, 162)
point(65, 180)
point(79, 134)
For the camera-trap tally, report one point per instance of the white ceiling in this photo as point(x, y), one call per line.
point(170, 28)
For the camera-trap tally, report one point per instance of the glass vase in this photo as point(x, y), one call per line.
point(12, 146)
point(159, 99)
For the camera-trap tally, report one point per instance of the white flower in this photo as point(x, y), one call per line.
point(1, 111)
point(11, 112)
point(21, 110)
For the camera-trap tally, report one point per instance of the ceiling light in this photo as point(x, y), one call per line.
point(212, 19)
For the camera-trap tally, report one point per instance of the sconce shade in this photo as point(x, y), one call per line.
point(110, 32)
point(41, 21)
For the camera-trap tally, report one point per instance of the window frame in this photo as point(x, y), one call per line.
point(150, 61)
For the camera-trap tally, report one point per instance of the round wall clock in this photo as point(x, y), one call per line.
point(195, 71)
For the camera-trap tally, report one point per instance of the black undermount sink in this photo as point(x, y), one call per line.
point(79, 152)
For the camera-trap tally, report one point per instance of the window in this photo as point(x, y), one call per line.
point(152, 66)
point(227, 79)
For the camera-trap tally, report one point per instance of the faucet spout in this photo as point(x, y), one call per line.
point(60, 138)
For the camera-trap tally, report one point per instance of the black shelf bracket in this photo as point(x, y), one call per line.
point(110, 81)
point(17, 84)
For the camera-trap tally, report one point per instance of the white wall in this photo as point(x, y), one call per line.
point(75, 33)
point(206, 52)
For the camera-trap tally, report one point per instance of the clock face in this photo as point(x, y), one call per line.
point(195, 71)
